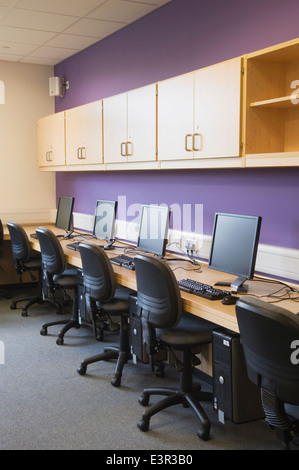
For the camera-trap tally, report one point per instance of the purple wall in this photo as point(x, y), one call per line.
point(179, 37)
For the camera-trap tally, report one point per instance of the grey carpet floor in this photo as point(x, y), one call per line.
point(46, 405)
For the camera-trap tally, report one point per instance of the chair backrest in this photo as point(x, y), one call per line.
point(52, 255)
point(21, 249)
point(98, 275)
point(157, 292)
point(270, 339)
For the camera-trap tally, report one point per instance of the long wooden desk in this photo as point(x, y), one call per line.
point(213, 311)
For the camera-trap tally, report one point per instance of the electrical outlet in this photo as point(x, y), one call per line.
point(191, 245)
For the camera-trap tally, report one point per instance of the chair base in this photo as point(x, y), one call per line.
point(122, 358)
point(175, 397)
point(68, 325)
point(121, 354)
point(31, 301)
point(188, 394)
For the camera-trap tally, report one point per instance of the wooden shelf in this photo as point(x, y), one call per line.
point(282, 102)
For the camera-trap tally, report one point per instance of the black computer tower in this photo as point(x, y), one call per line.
point(236, 398)
point(137, 345)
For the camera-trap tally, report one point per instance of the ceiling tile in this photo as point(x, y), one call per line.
point(15, 48)
point(36, 20)
point(53, 52)
point(94, 28)
point(117, 10)
point(38, 60)
point(71, 41)
point(62, 7)
point(11, 57)
point(28, 36)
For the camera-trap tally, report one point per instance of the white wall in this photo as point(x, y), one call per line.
point(26, 194)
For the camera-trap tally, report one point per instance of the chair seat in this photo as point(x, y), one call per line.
point(116, 307)
point(189, 333)
point(33, 264)
point(123, 293)
point(68, 279)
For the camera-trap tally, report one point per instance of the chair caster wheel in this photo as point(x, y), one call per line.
point(81, 370)
point(143, 400)
point(13, 306)
point(24, 313)
point(204, 434)
point(116, 382)
point(143, 425)
point(59, 341)
point(44, 331)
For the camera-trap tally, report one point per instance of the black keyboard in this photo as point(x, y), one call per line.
point(203, 290)
point(73, 246)
point(124, 261)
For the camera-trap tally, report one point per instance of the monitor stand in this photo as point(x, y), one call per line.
point(236, 285)
point(109, 246)
point(67, 235)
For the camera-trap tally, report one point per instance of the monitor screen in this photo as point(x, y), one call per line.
point(153, 229)
point(64, 216)
point(234, 246)
point(104, 220)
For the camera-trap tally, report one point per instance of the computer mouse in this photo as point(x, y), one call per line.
point(229, 300)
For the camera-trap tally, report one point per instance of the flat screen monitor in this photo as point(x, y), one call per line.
point(234, 247)
point(104, 220)
point(153, 229)
point(64, 216)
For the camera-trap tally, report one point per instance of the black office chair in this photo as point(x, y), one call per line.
point(3, 292)
point(267, 333)
point(57, 277)
point(103, 301)
point(25, 261)
point(164, 325)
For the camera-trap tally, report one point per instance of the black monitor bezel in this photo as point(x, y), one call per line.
point(69, 226)
point(254, 248)
point(114, 203)
point(161, 252)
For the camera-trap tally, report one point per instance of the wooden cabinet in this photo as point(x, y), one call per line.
point(84, 134)
point(130, 126)
point(199, 114)
point(272, 109)
point(51, 141)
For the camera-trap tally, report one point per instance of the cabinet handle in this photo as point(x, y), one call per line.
point(51, 156)
point(123, 150)
point(186, 143)
point(83, 153)
point(47, 156)
point(129, 154)
point(79, 153)
point(194, 138)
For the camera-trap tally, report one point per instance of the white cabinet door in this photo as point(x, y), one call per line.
point(130, 126)
point(199, 113)
point(115, 128)
point(84, 134)
point(51, 140)
point(175, 118)
point(141, 142)
point(217, 110)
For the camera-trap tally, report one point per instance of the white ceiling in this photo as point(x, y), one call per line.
point(49, 31)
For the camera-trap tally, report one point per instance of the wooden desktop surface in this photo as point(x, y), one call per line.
point(214, 311)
